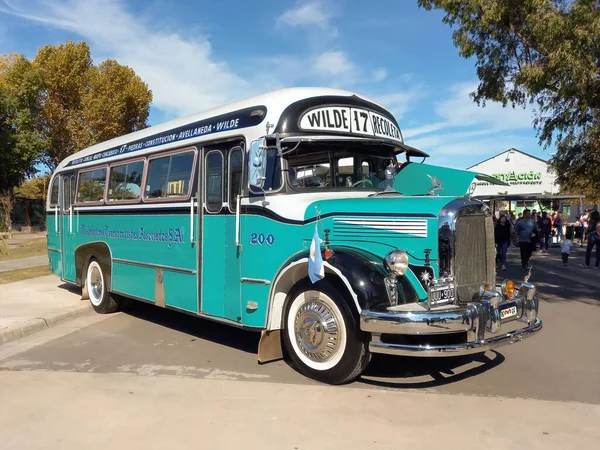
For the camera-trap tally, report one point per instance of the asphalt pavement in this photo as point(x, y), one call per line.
point(553, 376)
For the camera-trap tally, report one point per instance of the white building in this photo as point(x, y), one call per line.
point(525, 174)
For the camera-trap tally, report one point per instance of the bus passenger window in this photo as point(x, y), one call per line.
point(125, 181)
point(54, 192)
point(235, 177)
point(214, 181)
point(90, 187)
point(169, 176)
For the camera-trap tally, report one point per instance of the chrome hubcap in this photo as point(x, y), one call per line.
point(316, 331)
point(96, 283)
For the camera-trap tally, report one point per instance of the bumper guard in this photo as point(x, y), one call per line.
point(489, 323)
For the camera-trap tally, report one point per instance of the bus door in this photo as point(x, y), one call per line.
point(53, 224)
point(68, 227)
point(220, 258)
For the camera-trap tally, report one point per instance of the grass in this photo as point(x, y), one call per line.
point(31, 247)
point(23, 274)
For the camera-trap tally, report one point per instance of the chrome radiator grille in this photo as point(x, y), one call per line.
point(474, 258)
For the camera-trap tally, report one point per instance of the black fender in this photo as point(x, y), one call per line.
point(365, 273)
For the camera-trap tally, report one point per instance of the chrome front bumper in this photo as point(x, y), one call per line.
point(481, 322)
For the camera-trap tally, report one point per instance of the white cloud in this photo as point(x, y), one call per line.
point(379, 75)
point(400, 102)
point(333, 64)
point(313, 13)
point(460, 110)
point(182, 71)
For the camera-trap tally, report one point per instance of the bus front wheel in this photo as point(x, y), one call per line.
point(321, 336)
point(100, 298)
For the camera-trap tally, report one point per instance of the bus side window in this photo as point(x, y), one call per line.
point(236, 163)
point(54, 192)
point(125, 181)
point(169, 176)
point(90, 187)
point(213, 180)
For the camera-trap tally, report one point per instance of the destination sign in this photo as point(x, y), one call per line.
point(243, 118)
point(350, 120)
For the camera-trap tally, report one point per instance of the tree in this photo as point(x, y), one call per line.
point(20, 105)
point(85, 104)
point(32, 189)
point(541, 52)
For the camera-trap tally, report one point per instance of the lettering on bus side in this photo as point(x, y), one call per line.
point(169, 236)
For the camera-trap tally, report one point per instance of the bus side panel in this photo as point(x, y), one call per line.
point(266, 245)
point(134, 280)
point(142, 243)
point(214, 268)
point(54, 253)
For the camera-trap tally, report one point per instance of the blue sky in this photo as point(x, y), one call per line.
point(195, 55)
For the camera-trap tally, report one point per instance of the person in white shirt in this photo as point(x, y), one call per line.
point(565, 248)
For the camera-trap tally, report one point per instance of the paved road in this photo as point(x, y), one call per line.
point(562, 363)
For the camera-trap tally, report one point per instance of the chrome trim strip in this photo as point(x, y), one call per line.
point(51, 249)
point(155, 266)
point(376, 346)
point(254, 281)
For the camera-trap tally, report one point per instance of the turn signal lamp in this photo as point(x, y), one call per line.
point(508, 287)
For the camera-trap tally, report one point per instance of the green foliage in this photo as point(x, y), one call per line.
point(86, 104)
point(545, 53)
point(21, 142)
point(60, 103)
point(33, 189)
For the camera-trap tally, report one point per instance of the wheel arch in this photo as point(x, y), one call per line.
point(85, 252)
point(354, 270)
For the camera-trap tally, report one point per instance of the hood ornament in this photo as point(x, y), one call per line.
point(436, 185)
point(527, 275)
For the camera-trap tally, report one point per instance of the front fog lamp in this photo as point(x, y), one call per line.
point(397, 262)
point(508, 288)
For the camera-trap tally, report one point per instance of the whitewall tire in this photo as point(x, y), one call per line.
point(321, 336)
point(100, 298)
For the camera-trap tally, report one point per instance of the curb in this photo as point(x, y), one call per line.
point(22, 329)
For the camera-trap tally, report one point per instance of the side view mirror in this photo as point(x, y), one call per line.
point(257, 165)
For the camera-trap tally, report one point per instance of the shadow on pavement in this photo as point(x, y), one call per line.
point(243, 340)
point(421, 373)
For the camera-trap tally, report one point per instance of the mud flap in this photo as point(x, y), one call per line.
point(269, 347)
point(85, 295)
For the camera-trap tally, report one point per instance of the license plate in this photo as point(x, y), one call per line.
point(442, 295)
point(508, 312)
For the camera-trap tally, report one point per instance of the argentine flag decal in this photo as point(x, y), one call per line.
point(316, 270)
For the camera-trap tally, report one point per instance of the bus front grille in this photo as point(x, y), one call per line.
point(474, 261)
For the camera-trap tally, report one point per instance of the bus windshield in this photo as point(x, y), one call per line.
point(333, 168)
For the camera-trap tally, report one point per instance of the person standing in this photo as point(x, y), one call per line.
point(502, 238)
point(566, 246)
point(593, 239)
point(526, 230)
point(545, 230)
point(558, 225)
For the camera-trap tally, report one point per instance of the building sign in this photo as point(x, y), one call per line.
point(516, 178)
point(243, 118)
point(349, 120)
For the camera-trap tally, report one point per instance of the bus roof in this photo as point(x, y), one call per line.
point(210, 124)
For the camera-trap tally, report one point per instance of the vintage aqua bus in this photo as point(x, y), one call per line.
point(299, 214)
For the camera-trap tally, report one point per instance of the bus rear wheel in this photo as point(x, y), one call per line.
point(321, 336)
point(100, 298)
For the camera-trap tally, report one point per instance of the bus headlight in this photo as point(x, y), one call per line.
point(397, 262)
